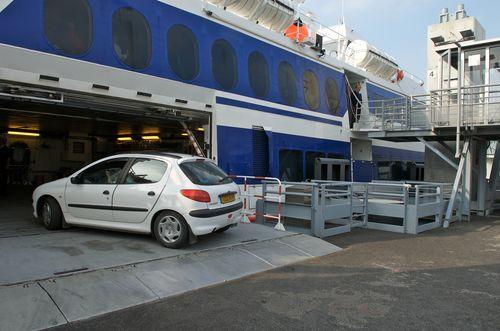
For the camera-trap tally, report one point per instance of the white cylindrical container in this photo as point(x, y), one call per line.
point(363, 55)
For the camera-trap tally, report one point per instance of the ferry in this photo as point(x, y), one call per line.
point(259, 86)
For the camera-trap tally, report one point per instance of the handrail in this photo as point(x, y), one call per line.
point(480, 105)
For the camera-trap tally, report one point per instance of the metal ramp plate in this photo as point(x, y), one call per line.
point(33, 297)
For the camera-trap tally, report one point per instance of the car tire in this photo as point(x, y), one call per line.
point(171, 229)
point(51, 214)
point(224, 229)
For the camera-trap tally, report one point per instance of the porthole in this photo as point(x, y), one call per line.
point(287, 83)
point(131, 38)
point(258, 73)
point(68, 25)
point(224, 64)
point(332, 95)
point(311, 90)
point(183, 52)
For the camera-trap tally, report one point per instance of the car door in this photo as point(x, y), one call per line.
point(89, 195)
point(141, 187)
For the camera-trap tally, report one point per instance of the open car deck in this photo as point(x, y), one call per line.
point(51, 278)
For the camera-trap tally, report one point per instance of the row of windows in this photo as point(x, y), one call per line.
point(68, 28)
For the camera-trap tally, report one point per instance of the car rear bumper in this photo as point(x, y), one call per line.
point(209, 213)
point(213, 219)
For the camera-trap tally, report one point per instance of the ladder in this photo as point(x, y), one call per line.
point(359, 201)
point(194, 141)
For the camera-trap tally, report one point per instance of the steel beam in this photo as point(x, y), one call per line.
point(482, 188)
point(456, 184)
point(438, 153)
point(495, 168)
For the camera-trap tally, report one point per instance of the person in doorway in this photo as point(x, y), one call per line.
point(4, 162)
point(356, 101)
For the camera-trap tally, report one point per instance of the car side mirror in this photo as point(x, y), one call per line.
point(76, 180)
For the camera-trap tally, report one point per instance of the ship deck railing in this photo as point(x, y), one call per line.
point(479, 106)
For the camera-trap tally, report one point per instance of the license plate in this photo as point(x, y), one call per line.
point(228, 197)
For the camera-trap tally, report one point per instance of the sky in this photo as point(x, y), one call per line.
point(399, 27)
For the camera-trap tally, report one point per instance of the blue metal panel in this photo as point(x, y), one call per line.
point(21, 24)
point(260, 152)
point(235, 144)
point(363, 171)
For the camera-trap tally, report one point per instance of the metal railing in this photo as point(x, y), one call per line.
point(480, 105)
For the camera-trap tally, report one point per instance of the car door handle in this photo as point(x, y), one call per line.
point(151, 193)
point(105, 192)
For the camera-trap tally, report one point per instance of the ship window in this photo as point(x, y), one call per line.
point(311, 90)
point(224, 65)
point(131, 38)
point(183, 52)
point(68, 25)
point(291, 166)
point(258, 73)
point(287, 83)
point(332, 95)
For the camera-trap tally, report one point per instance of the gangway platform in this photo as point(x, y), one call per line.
point(327, 208)
point(51, 278)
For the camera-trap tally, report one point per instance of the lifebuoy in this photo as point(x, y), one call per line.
point(297, 31)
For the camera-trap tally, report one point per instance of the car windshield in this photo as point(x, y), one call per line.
point(201, 172)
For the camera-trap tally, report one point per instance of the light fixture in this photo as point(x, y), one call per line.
point(124, 139)
point(468, 34)
point(437, 40)
point(23, 133)
point(200, 129)
point(150, 138)
point(184, 134)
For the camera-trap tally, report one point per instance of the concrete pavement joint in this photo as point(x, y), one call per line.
point(53, 301)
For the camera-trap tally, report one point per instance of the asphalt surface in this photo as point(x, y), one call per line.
point(443, 279)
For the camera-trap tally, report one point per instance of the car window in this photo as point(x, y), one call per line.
point(204, 173)
point(107, 172)
point(145, 171)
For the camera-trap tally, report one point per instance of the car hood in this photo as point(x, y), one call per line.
point(56, 183)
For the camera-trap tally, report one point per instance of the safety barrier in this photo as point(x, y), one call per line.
point(326, 208)
point(319, 208)
point(404, 207)
point(250, 194)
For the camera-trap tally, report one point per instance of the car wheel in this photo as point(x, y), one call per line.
point(224, 229)
point(171, 229)
point(51, 214)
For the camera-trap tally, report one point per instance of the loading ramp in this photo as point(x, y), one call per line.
point(50, 279)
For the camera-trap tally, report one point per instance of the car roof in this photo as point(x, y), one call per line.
point(170, 155)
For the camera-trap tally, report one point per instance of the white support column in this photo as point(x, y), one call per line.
point(456, 184)
point(495, 168)
point(482, 187)
point(467, 182)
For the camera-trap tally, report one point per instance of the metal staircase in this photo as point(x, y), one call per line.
point(468, 118)
point(193, 140)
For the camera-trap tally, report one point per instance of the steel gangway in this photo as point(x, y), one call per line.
point(459, 125)
point(327, 208)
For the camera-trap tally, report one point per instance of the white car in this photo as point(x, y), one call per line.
point(170, 195)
